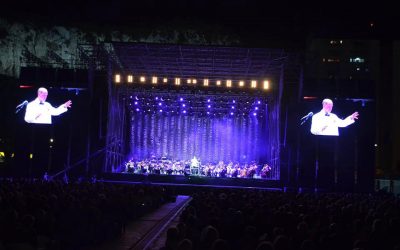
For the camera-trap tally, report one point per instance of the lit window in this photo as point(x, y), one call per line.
point(177, 81)
point(218, 83)
point(241, 83)
point(333, 60)
point(229, 83)
point(154, 80)
point(357, 60)
point(205, 82)
point(254, 84)
point(142, 79)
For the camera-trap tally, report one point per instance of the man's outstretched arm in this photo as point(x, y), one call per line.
point(61, 109)
point(349, 120)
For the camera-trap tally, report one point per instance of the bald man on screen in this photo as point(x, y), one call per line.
point(327, 123)
point(39, 111)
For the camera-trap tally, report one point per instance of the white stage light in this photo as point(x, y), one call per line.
point(117, 78)
point(266, 84)
point(130, 78)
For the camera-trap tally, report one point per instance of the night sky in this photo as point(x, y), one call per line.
point(248, 17)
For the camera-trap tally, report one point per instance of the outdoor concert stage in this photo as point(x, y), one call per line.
point(161, 106)
point(203, 181)
point(177, 102)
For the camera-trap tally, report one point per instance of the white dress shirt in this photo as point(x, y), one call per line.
point(328, 124)
point(37, 112)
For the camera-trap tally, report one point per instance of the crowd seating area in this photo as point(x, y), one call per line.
point(251, 219)
point(37, 214)
point(57, 215)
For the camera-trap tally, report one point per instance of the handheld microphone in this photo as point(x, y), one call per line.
point(307, 116)
point(22, 104)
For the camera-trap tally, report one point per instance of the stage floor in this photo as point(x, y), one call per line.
point(191, 180)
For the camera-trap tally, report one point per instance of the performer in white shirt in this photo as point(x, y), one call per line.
point(40, 111)
point(327, 123)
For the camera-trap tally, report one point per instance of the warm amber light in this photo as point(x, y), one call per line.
point(130, 78)
point(177, 81)
point(154, 80)
point(266, 84)
point(205, 82)
point(241, 83)
point(254, 84)
point(228, 83)
point(142, 79)
point(165, 80)
point(218, 83)
point(117, 78)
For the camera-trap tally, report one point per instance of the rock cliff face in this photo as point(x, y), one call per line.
point(28, 44)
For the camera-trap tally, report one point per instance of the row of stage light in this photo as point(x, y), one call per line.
point(222, 106)
point(253, 84)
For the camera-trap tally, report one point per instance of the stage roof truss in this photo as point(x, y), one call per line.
point(214, 63)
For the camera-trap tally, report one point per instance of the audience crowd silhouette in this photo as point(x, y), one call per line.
point(265, 220)
point(58, 215)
